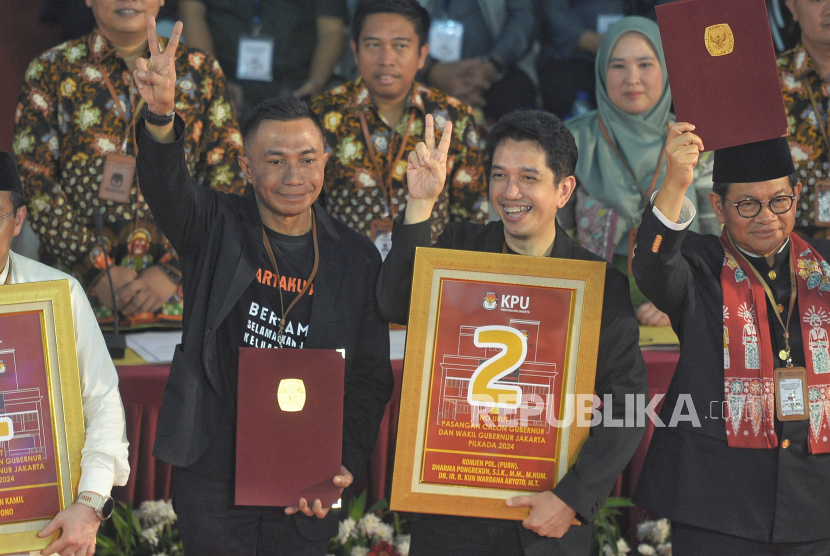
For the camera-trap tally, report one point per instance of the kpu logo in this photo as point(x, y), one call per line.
point(491, 301)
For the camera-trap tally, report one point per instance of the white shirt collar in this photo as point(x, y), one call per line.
point(5, 273)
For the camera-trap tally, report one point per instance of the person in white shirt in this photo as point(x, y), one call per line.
point(104, 455)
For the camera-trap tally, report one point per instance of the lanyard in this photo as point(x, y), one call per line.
point(256, 18)
point(121, 112)
point(644, 197)
point(387, 191)
point(307, 285)
point(793, 293)
point(446, 9)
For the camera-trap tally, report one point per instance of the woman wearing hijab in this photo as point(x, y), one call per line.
point(621, 160)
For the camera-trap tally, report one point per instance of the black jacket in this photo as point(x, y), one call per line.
point(620, 366)
point(691, 475)
point(218, 238)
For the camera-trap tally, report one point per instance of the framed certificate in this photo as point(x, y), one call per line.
point(498, 348)
point(41, 415)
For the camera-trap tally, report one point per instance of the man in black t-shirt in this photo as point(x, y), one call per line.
point(269, 269)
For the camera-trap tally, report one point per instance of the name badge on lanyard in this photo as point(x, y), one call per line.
point(255, 59)
point(445, 39)
point(604, 21)
point(119, 168)
point(791, 393)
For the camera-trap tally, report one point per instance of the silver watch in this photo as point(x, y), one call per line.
point(103, 505)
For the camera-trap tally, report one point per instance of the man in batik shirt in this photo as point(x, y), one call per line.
point(373, 123)
point(70, 133)
point(804, 72)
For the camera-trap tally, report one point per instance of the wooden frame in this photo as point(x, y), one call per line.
point(470, 470)
point(40, 401)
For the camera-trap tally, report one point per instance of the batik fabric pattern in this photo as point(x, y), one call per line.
point(810, 153)
point(66, 125)
point(353, 188)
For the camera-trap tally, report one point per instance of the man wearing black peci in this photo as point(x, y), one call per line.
point(268, 269)
point(751, 474)
point(531, 177)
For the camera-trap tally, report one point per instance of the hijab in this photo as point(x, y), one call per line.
point(640, 138)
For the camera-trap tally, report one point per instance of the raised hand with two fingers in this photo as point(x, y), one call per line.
point(426, 172)
point(156, 77)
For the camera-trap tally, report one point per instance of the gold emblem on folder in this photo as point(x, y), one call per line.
point(719, 39)
point(6, 429)
point(291, 394)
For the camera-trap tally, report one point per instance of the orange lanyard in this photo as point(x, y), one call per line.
point(307, 285)
point(387, 191)
point(121, 112)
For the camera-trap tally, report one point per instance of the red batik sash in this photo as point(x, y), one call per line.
point(749, 362)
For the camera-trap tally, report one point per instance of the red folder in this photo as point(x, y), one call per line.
point(284, 454)
point(732, 98)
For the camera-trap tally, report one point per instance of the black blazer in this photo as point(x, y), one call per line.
point(218, 238)
point(620, 366)
point(691, 475)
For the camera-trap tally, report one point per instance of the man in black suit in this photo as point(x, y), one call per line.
point(533, 156)
point(737, 479)
point(269, 269)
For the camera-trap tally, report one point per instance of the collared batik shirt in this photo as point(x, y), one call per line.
point(67, 123)
point(353, 187)
point(810, 153)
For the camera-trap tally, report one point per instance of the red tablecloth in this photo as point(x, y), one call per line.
point(142, 389)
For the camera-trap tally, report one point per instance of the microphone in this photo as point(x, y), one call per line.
point(116, 342)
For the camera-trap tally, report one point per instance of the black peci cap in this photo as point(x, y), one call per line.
point(754, 162)
point(9, 178)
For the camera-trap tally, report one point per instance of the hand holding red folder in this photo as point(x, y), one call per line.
point(343, 480)
point(683, 150)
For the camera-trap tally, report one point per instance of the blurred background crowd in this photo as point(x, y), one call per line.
point(67, 103)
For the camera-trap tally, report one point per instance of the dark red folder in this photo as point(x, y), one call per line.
point(734, 98)
point(282, 456)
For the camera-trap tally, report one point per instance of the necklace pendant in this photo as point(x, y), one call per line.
point(783, 355)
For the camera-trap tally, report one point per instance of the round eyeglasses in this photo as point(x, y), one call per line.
point(750, 208)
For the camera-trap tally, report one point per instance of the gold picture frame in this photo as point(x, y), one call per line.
point(448, 463)
point(41, 408)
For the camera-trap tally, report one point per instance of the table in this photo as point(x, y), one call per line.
point(142, 389)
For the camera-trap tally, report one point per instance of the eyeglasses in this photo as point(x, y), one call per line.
point(4, 216)
point(750, 208)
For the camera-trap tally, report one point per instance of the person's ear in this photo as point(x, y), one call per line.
point(19, 219)
point(422, 56)
point(566, 189)
point(245, 166)
point(791, 6)
point(717, 204)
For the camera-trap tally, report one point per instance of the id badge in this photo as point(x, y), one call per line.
point(445, 38)
point(119, 171)
point(791, 393)
point(604, 21)
point(256, 58)
point(381, 233)
point(821, 205)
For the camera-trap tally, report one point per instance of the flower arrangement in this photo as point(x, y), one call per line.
point(654, 537)
point(376, 532)
point(608, 540)
point(148, 531)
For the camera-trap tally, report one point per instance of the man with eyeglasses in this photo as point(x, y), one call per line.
point(749, 473)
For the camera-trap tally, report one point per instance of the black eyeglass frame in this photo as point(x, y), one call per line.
point(760, 204)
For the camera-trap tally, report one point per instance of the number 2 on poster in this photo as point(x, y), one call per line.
point(483, 390)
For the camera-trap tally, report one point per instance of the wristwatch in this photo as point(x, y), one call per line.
point(157, 119)
point(103, 505)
